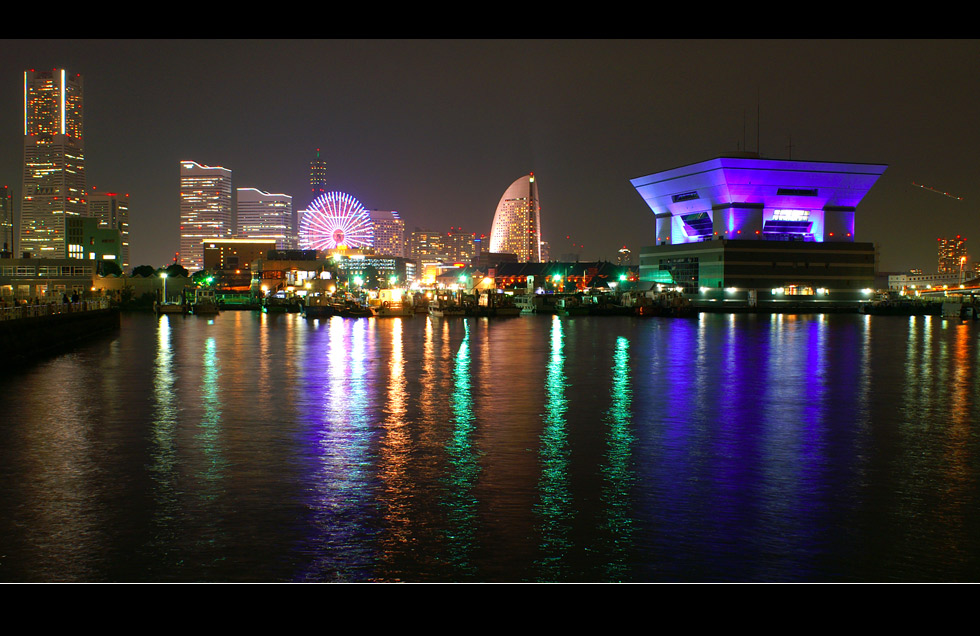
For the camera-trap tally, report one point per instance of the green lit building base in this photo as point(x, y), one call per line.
point(765, 274)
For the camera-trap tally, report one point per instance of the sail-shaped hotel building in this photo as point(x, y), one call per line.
point(517, 223)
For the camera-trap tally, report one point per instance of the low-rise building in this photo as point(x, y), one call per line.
point(45, 279)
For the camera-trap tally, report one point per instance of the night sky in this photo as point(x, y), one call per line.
point(438, 129)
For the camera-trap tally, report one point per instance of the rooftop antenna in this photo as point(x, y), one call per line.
point(744, 144)
point(758, 121)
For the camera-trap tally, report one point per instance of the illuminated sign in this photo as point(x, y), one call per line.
point(790, 215)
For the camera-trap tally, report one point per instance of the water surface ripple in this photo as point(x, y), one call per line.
point(253, 447)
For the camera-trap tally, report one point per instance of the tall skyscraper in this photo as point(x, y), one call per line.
point(6, 220)
point(318, 177)
point(952, 255)
point(262, 215)
point(112, 211)
point(318, 188)
point(205, 210)
point(517, 222)
point(54, 161)
point(389, 232)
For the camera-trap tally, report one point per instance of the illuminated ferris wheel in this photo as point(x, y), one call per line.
point(335, 219)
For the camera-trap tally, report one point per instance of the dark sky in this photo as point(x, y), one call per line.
point(438, 129)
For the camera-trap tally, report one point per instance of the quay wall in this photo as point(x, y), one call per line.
point(27, 337)
point(764, 307)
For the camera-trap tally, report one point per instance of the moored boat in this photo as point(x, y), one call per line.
point(668, 304)
point(319, 309)
point(392, 303)
point(205, 303)
point(354, 309)
point(445, 307)
point(280, 304)
point(169, 308)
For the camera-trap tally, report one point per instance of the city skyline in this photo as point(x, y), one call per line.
point(427, 129)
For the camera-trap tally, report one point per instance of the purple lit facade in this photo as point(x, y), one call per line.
point(757, 199)
point(759, 226)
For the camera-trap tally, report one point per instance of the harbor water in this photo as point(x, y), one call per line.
point(264, 447)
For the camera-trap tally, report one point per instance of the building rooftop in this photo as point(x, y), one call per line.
point(770, 182)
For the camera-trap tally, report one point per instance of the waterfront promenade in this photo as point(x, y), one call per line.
point(38, 310)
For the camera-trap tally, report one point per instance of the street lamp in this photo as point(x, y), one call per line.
point(163, 275)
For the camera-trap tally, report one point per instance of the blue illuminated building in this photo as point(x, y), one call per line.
point(742, 227)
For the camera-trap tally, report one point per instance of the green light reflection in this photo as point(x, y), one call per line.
point(617, 473)
point(210, 428)
point(464, 467)
point(555, 508)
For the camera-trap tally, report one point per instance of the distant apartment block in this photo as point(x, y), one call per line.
point(263, 215)
point(953, 257)
point(389, 232)
point(111, 209)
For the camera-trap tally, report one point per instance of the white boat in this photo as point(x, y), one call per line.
point(524, 303)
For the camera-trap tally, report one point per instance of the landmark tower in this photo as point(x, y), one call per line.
point(54, 161)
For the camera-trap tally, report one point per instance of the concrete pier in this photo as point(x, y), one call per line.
point(34, 330)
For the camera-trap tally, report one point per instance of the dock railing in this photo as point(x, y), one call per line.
point(20, 312)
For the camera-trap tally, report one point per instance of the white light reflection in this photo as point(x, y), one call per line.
point(163, 454)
